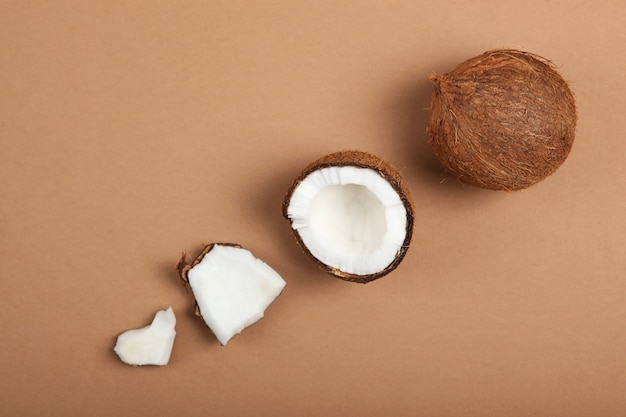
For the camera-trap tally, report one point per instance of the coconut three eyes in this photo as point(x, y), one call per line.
point(352, 214)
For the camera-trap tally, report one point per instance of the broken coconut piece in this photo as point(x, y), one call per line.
point(352, 214)
point(151, 345)
point(231, 287)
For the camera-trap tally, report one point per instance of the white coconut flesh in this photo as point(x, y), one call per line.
point(349, 218)
point(233, 289)
point(151, 345)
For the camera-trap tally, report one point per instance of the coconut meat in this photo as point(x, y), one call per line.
point(151, 345)
point(349, 218)
point(232, 289)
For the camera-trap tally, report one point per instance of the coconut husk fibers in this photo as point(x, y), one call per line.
point(503, 120)
point(358, 159)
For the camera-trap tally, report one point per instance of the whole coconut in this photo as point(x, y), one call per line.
point(503, 120)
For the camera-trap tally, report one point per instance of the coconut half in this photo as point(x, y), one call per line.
point(150, 345)
point(352, 214)
point(231, 287)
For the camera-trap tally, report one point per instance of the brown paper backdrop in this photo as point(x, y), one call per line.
point(133, 130)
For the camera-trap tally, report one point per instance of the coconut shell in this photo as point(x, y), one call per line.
point(503, 120)
point(358, 159)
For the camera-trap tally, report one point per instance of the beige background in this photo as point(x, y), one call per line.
point(133, 130)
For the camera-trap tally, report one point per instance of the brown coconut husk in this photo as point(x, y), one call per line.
point(503, 120)
point(358, 159)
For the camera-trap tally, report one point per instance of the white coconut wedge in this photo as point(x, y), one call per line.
point(352, 214)
point(151, 345)
point(231, 287)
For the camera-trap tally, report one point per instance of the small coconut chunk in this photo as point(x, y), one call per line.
point(232, 289)
point(151, 345)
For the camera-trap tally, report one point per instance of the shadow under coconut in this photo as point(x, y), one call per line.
point(410, 118)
